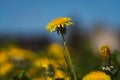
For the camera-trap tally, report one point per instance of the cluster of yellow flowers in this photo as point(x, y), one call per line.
point(14, 53)
point(5, 64)
point(7, 58)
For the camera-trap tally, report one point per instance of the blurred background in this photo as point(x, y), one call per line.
point(26, 45)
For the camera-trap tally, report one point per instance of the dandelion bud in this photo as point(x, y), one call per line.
point(105, 52)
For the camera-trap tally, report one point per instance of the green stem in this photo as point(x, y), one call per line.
point(68, 57)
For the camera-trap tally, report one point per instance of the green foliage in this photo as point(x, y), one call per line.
point(22, 76)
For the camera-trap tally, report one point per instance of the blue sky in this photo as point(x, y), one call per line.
point(28, 17)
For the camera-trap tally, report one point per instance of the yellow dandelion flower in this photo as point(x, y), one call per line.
point(56, 50)
point(3, 57)
point(59, 22)
point(42, 78)
point(59, 74)
point(38, 78)
point(6, 68)
point(20, 54)
point(97, 75)
point(41, 62)
point(105, 52)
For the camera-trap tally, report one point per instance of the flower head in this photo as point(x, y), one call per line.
point(96, 75)
point(59, 24)
point(105, 52)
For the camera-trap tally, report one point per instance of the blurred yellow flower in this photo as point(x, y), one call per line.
point(6, 68)
point(18, 53)
point(59, 22)
point(59, 74)
point(105, 52)
point(96, 75)
point(48, 78)
point(3, 57)
point(37, 78)
point(41, 62)
point(42, 78)
point(56, 50)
